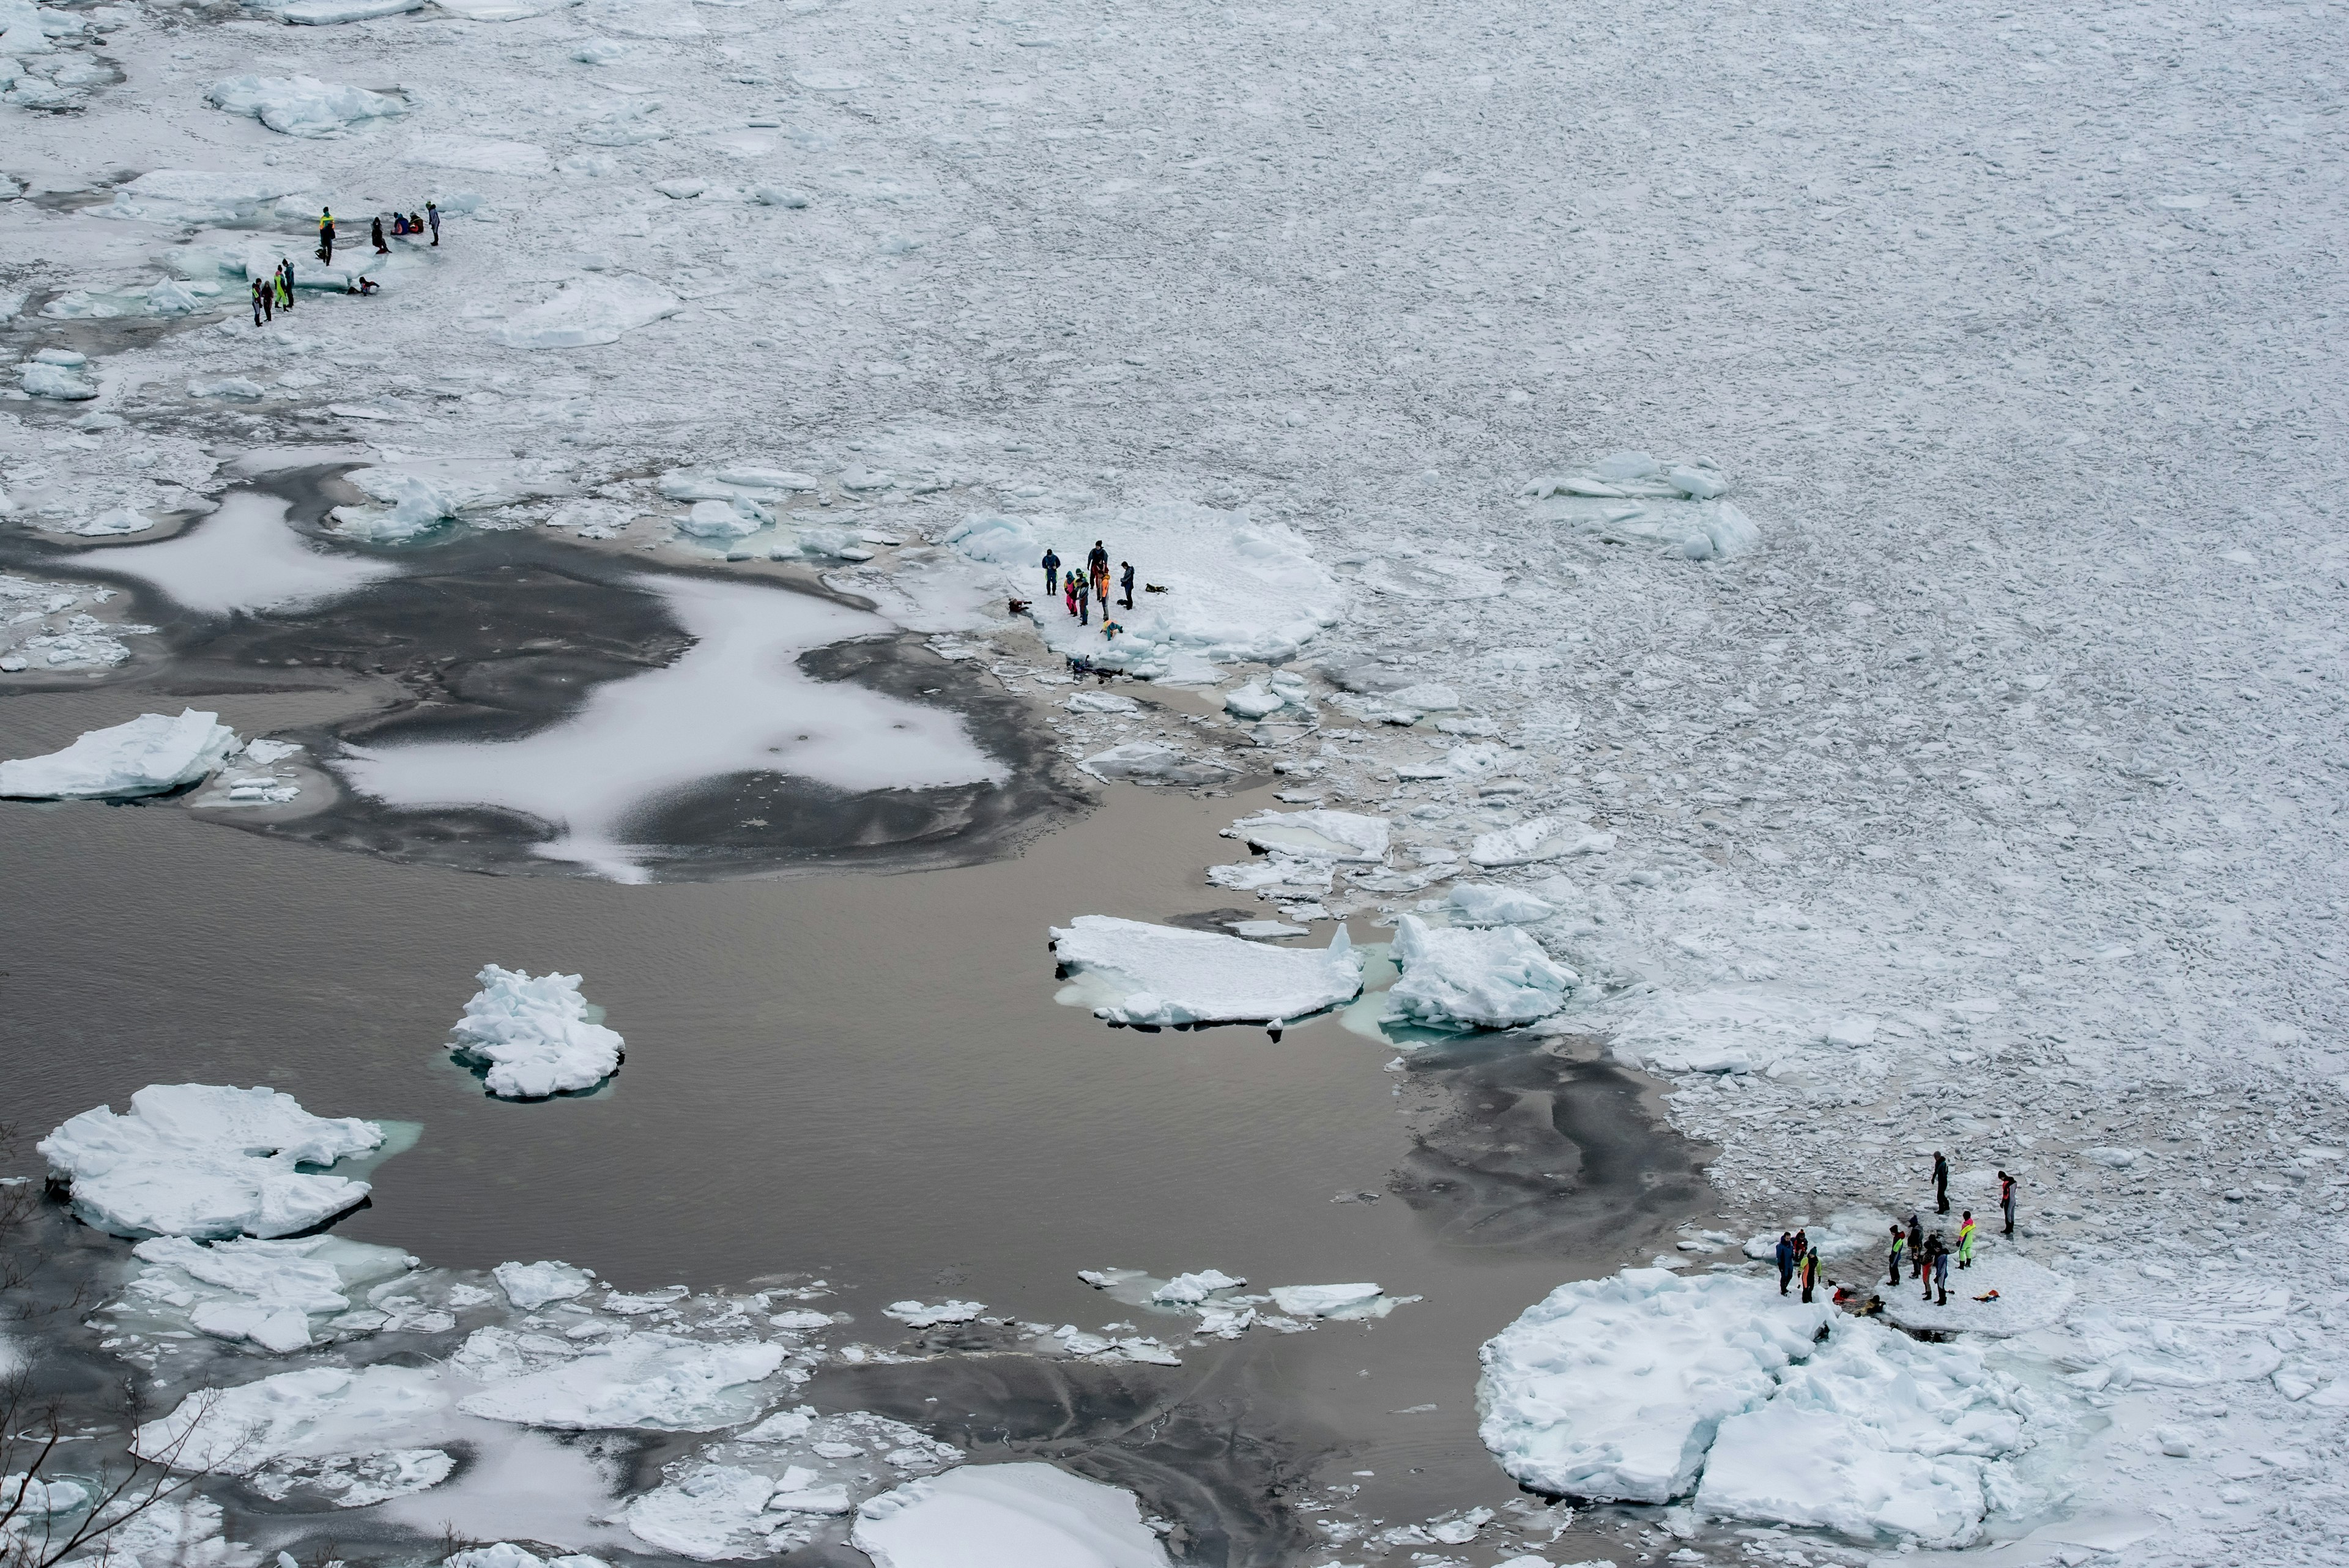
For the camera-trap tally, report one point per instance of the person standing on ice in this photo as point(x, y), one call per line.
point(2006, 1200)
point(1942, 1267)
point(1941, 1182)
point(1069, 592)
point(1966, 1241)
point(259, 301)
point(1899, 1246)
point(1810, 1273)
point(327, 234)
point(285, 281)
point(1937, 1261)
point(433, 217)
point(1785, 1261)
point(1084, 603)
point(1916, 1246)
point(1051, 565)
point(1125, 581)
point(382, 246)
point(1097, 561)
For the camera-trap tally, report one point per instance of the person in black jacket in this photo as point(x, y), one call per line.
point(1051, 563)
point(1785, 1261)
point(1941, 1182)
point(382, 247)
point(1125, 581)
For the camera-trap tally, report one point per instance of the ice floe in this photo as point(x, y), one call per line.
point(197, 1160)
point(1019, 1515)
point(1130, 972)
point(1318, 835)
point(45, 627)
point(301, 105)
point(278, 1295)
point(1494, 904)
point(1458, 977)
point(765, 1490)
point(649, 1380)
point(1155, 763)
point(1628, 1388)
point(1235, 588)
point(534, 1285)
point(736, 701)
point(151, 755)
point(533, 1036)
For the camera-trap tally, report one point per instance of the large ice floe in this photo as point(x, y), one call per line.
point(1459, 977)
point(533, 1036)
point(151, 755)
point(1649, 1387)
point(1130, 972)
point(737, 701)
point(197, 1160)
point(1234, 588)
point(1022, 1515)
point(1318, 835)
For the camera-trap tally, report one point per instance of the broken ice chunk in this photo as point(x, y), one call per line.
point(534, 1035)
point(1139, 973)
point(1455, 977)
point(1542, 839)
point(914, 1314)
point(151, 755)
point(532, 1285)
point(1492, 904)
point(1189, 1290)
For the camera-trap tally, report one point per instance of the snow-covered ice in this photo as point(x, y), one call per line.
point(151, 755)
point(1461, 977)
point(1018, 1515)
point(646, 1380)
point(589, 311)
point(1492, 904)
point(533, 1036)
point(1130, 971)
point(195, 1159)
point(1646, 1387)
point(278, 1295)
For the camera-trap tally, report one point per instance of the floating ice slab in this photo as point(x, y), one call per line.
point(1143, 973)
point(314, 1413)
point(302, 106)
point(759, 1494)
point(151, 755)
point(534, 1035)
point(737, 701)
point(1455, 977)
point(195, 1159)
point(914, 1314)
point(1341, 1302)
point(1190, 1290)
point(1319, 835)
point(1006, 1516)
point(330, 13)
point(1155, 762)
point(2030, 1297)
point(1626, 1388)
point(588, 311)
point(532, 1285)
point(246, 557)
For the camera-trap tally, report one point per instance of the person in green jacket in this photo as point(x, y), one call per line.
point(1966, 1241)
point(1900, 1247)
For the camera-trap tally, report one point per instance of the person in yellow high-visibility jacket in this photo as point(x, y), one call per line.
point(1966, 1241)
point(1899, 1246)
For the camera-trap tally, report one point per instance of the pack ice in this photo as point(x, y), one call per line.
point(1023, 1515)
point(1630, 497)
point(1628, 1388)
point(151, 755)
point(300, 105)
point(534, 1037)
point(1458, 977)
point(1135, 972)
point(196, 1159)
point(279, 1295)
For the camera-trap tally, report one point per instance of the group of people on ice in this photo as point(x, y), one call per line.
point(1079, 591)
point(1928, 1257)
point(275, 292)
